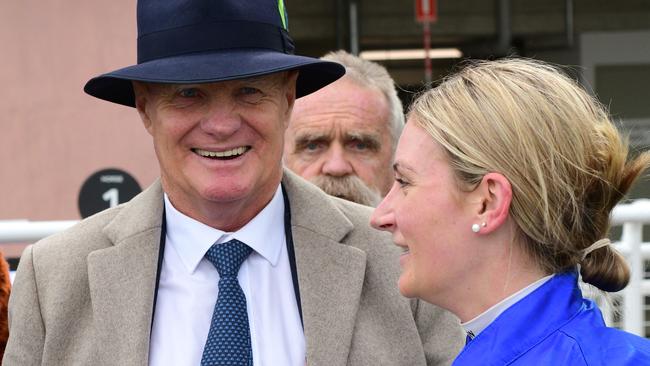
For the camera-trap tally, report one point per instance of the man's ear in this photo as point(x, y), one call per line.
point(292, 77)
point(494, 195)
point(290, 94)
point(141, 93)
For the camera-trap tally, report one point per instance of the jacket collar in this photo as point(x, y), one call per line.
point(526, 323)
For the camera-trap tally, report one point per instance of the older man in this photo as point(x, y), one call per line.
point(342, 137)
point(228, 259)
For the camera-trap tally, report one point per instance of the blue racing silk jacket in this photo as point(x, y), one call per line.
point(554, 325)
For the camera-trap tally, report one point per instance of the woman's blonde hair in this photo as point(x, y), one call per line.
point(566, 162)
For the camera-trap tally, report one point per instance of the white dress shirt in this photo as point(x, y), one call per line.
point(475, 326)
point(188, 290)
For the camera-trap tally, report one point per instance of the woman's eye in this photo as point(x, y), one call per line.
point(401, 182)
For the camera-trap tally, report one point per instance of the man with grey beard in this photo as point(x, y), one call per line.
point(342, 137)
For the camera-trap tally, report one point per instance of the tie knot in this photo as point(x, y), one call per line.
point(227, 257)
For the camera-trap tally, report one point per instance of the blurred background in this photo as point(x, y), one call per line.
point(56, 140)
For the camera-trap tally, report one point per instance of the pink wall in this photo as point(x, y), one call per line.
point(53, 136)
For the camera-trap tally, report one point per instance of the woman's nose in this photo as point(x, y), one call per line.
point(383, 217)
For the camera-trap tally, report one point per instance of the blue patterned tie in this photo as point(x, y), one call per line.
point(229, 340)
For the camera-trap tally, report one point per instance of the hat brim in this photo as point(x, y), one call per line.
point(214, 66)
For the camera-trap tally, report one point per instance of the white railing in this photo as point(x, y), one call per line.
point(632, 217)
point(25, 231)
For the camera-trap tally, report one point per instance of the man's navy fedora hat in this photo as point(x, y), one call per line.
point(202, 41)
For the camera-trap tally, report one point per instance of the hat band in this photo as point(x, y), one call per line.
point(212, 37)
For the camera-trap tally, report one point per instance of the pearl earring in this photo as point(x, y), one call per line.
point(476, 228)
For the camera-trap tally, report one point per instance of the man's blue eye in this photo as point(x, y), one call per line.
point(188, 93)
point(249, 90)
point(312, 146)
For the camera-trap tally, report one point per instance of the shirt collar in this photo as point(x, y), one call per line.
point(191, 239)
point(475, 326)
point(526, 323)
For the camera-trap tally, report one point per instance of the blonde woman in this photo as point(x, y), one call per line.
point(505, 178)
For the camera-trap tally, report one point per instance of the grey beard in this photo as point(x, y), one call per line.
point(349, 187)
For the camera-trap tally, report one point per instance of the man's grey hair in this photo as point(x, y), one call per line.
point(373, 75)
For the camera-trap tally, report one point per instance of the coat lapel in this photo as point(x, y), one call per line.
point(122, 280)
point(330, 274)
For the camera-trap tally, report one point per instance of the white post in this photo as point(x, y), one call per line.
point(633, 317)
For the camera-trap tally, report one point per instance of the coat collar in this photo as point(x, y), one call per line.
point(525, 323)
point(330, 274)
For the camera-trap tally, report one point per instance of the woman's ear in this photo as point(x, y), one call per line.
point(494, 195)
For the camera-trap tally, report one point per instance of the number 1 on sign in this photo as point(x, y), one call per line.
point(112, 196)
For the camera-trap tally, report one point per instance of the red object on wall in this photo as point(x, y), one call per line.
point(426, 10)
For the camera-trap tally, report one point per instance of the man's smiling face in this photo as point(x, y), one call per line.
point(220, 144)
